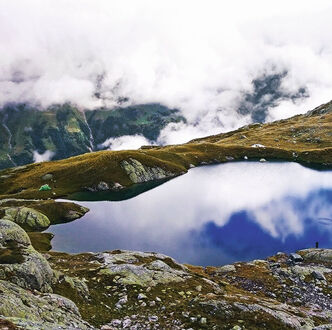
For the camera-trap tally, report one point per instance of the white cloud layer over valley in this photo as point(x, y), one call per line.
point(201, 57)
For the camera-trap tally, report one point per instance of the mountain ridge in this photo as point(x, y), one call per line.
point(64, 130)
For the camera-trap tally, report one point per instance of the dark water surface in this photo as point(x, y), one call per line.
point(213, 215)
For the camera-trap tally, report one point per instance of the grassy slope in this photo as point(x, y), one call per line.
point(305, 139)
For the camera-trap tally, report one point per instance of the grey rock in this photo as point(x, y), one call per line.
point(318, 255)
point(226, 269)
point(141, 296)
point(295, 257)
point(47, 177)
point(32, 271)
point(27, 218)
point(318, 276)
point(130, 271)
point(153, 318)
point(139, 173)
point(35, 311)
point(102, 186)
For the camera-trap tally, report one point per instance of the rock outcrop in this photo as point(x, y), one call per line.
point(26, 280)
point(27, 218)
point(38, 311)
point(139, 173)
point(142, 290)
point(143, 269)
point(20, 263)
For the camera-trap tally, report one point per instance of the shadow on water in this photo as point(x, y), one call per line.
point(119, 195)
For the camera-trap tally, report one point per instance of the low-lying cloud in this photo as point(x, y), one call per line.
point(202, 57)
point(125, 142)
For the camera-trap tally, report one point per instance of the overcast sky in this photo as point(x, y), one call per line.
point(199, 56)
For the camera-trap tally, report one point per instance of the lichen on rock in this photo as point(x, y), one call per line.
point(139, 173)
point(32, 271)
point(36, 311)
point(27, 218)
point(143, 269)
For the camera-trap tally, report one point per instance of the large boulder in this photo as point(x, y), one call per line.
point(27, 218)
point(317, 255)
point(139, 173)
point(20, 263)
point(37, 311)
point(141, 268)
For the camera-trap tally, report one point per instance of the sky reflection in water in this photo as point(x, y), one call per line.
point(213, 215)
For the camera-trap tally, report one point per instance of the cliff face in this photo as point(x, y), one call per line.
point(305, 139)
point(63, 131)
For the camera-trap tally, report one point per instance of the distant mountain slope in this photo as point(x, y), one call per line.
point(64, 131)
point(306, 139)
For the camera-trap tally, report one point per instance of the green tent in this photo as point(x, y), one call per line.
point(45, 187)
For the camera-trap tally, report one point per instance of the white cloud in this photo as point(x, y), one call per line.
point(44, 157)
point(125, 142)
point(199, 56)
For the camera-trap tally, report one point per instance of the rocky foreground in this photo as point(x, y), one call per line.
point(136, 290)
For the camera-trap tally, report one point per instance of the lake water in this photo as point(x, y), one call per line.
point(213, 215)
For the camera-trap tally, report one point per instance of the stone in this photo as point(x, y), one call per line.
point(318, 276)
point(257, 145)
point(117, 186)
point(35, 311)
point(262, 160)
point(123, 300)
point(317, 255)
point(126, 265)
point(141, 296)
point(198, 288)
point(102, 186)
point(139, 173)
point(29, 270)
point(203, 320)
point(126, 323)
point(226, 269)
point(295, 257)
point(47, 177)
point(153, 318)
point(27, 218)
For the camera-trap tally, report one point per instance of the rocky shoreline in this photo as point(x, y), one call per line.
point(137, 290)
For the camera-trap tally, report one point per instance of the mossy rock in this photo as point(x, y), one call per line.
point(27, 218)
point(20, 263)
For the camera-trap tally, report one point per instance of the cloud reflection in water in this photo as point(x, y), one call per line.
point(213, 215)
